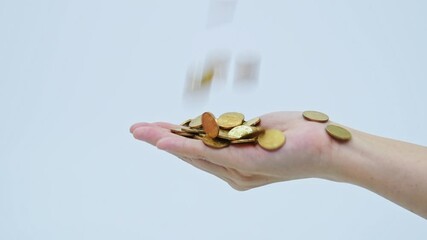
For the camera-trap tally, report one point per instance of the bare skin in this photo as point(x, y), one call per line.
point(393, 169)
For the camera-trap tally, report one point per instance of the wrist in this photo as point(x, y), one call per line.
point(352, 162)
point(338, 157)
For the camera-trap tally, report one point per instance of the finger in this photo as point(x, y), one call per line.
point(151, 134)
point(181, 146)
point(137, 125)
point(166, 125)
point(192, 148)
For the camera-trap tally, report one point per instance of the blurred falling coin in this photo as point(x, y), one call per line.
point(271, 139)
point(246, 70)
point(338, 132)
point(315, 116)
point(207, 76)
point(230, 120)
point(209, 124)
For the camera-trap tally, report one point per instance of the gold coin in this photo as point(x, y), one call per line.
point(244, 140)
point(196, 122)
point(179, 132)
point(199, 136)
point(271, 139)
point(240, 132)
point(207, 76)
point(315, 116)
point(230, 120)
point(224, 134)
point(185, 123)
point(215, 143)
point(207, 129)
point(338, 132)
point(253, 122)
point(256, 131)
point(209, 124)
point(192, 130)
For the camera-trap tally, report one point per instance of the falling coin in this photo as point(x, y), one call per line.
point(209, 124)
point(315, 116)
point(271, 139)
point(338, 132)
point(207, 76)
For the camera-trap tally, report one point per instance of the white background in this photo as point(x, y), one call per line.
point(74, 75)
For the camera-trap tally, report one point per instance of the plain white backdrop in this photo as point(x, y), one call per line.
point(74, 75)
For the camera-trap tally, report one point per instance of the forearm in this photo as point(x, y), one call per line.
point(393, 169)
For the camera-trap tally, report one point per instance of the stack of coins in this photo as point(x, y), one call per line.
point(336, 132)
point(230, 128)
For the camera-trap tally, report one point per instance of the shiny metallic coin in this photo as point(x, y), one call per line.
point(315, 116)
point(271, 139)
point(199, 136)
point(253, 122)
point(209, 124)
point(196, 122)
point(224, 134)
point(230, 120)
point(256, 131)
point(338, 133)
point(215, 143)
point(207, 76)
point(244, 140)
point(240, 132)
point(192, 130)
point(179, 132)
point(232, 131)
point(186, 122)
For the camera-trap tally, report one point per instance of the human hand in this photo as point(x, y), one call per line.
point(305, 154)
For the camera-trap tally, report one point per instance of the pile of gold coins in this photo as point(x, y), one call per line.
point(230, 128)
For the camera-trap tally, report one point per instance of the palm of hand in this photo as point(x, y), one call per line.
point(247, 166)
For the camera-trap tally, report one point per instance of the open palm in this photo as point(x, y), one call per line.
point(245, 166)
